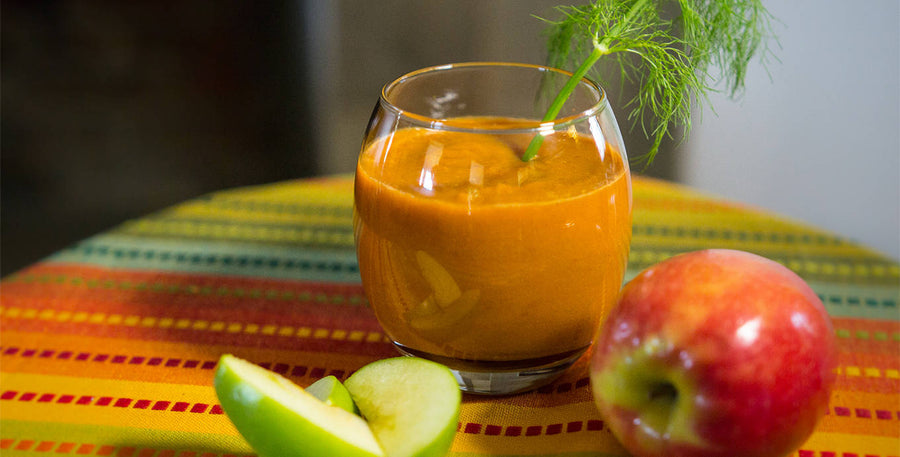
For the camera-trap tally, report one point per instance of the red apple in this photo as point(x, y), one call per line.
point(714, 353)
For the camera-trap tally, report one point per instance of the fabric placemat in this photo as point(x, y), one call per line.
point(109, 346)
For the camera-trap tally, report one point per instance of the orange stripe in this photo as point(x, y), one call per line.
point(66, 447)
point(866, 336)
point(867, 372)
point(164, 314)
point(836, 444)
point(112, 402)
point(159, 314)
point(862, 413)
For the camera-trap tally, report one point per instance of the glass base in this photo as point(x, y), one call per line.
point(502, 377)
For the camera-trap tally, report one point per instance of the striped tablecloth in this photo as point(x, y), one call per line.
point(108, 347)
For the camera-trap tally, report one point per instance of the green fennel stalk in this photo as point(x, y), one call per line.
point(669, 59)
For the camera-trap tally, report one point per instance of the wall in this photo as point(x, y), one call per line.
point(816, 138)
point(112, 110)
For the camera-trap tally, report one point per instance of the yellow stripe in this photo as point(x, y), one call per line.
point(869, 372)
point(208, 210)
point(846, 253)
point(335, 190)
point(73, 413)
point(861, 445)
point(886, 273)
point(488, 413)
point(76, 439)
point(650, 188)
point(747, 221)
point(101, 318)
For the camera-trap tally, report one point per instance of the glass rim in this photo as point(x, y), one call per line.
point(533, 125)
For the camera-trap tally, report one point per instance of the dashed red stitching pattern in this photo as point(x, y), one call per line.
point(863, 413)
point(284, 369)
point(122, 402)
point(473, 428)
point(111, 358)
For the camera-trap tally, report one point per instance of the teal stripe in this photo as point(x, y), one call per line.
point(859, 301)
point(192, 256)
point(878, 302)
point(868, 301)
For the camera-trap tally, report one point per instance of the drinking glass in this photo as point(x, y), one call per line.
point(498, 267)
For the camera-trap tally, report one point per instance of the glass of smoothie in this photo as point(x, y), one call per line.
point(471, 255)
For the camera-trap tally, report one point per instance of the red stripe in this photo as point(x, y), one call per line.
point(74, 280)
point(243, 311)
point(283, 369)
point(864, 413)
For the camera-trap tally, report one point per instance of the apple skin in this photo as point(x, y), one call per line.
point(714, 353)
point(278, 418)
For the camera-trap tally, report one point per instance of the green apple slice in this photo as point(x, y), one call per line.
point(278, 418)
point(411, 404)
point(330, 391)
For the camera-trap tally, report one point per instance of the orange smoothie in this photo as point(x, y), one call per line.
point(467, 252)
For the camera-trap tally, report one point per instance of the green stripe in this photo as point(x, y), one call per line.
point(293, 234)
point(748, 236)
point(197, 221)
point(269, 207)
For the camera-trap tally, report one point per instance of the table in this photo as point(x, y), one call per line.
point(109, 347)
